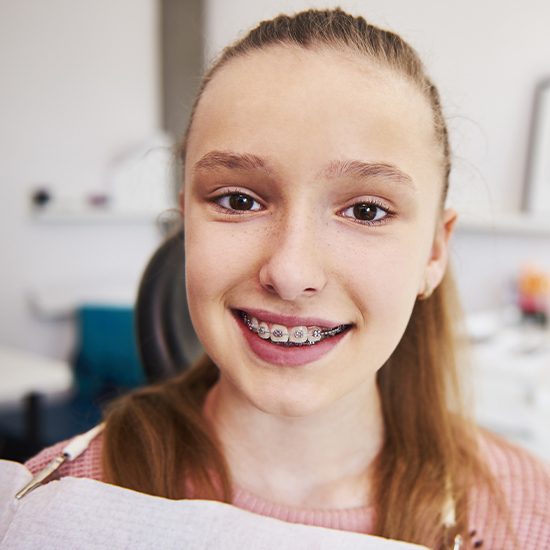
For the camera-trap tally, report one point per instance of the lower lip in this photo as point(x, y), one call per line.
point(287, 356)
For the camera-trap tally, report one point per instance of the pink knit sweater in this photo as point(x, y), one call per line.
point(525, 483)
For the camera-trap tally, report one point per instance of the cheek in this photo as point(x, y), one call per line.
point(382, 289)
point(382, 277)
point(217, 257)
point(383, 268)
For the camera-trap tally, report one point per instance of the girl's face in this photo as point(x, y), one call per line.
point(311, 202)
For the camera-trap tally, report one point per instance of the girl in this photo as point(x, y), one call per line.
point(316, 167)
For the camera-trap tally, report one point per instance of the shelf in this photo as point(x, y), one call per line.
point(508, 224)
point(94, 216)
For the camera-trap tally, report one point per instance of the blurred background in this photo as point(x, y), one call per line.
point(94, 96)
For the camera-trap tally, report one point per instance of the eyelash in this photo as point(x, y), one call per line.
point(234, 212)
point(371, 202)
point(231, 211)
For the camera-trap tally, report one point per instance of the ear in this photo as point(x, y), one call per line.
point(439, 256)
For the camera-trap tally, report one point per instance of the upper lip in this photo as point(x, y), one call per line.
point(289, 320)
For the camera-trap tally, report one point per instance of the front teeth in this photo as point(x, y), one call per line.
point(262, 329)
point(298, 335)
point(279, 334)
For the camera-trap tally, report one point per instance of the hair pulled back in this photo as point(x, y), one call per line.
point(157, 440)
point(340, 31)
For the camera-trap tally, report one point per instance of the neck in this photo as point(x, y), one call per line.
point(320, 460)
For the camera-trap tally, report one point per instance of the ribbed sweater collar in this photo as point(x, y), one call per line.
point(359, 519)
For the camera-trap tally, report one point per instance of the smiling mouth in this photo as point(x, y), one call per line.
point(296, 336)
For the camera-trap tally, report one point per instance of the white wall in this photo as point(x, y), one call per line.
point(486, 58)
point(80, 82)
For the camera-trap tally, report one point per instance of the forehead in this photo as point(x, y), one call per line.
point(310, 104)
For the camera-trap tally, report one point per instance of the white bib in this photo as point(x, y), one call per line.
point(87, 514)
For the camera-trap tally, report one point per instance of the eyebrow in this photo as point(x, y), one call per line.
point(361, 169)
point(215, 160)
point(232, 161)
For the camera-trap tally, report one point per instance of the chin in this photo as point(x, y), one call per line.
point(289, 399)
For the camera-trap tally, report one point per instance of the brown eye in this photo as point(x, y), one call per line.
point(365, 212)
point(239, 202)
point(368, 213)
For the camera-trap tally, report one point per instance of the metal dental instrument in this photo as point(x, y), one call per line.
point(73, 450)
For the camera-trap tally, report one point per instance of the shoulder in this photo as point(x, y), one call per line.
point(88, 464)
point(523, 484)
point(520, 475)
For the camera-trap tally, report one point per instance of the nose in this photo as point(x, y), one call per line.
point(293, 267)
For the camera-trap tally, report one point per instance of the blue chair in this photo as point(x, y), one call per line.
point(106, 364)
point(106, 355)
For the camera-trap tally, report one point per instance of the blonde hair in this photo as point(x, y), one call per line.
point(338, 30)
point(158, 442)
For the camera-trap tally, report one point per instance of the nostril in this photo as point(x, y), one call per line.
point(284, 278)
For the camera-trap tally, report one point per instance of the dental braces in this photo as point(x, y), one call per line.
point(317, 334)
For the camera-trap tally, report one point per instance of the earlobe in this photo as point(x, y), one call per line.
point(437, 265)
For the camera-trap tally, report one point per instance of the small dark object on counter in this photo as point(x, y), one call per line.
point(97, 199)
point(40, 197)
